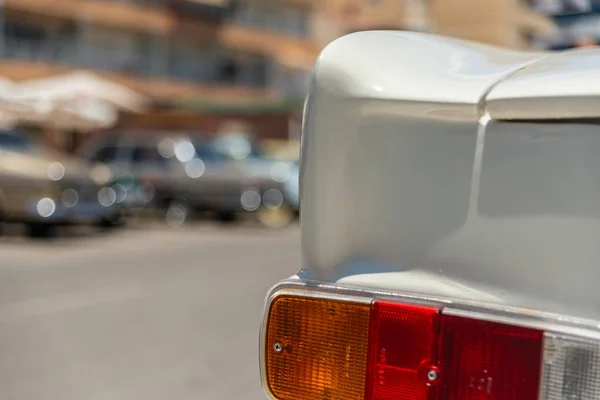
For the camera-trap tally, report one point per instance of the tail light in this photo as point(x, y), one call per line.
point(339, 344)
point(402, 351)
point(316, 345)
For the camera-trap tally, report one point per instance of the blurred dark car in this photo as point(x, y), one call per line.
point(44, 188)
point(183, 177)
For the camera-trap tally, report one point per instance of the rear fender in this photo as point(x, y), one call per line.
point(393, 139)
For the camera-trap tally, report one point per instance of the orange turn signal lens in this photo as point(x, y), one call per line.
point(316, 348)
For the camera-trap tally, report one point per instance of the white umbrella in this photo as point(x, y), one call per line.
point(83, 84)
point(8, 97)
point(10, 107)
point(81, 114)
point(76, 101)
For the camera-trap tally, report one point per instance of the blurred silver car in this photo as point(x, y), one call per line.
point(44, 188)
point(184, 176)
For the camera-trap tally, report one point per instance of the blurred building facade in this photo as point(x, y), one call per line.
point(228, 51)
point(226, 48)
point(577, 22)
point(164, 48)
point(507, 23)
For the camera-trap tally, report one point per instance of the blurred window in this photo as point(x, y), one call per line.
point(228, 71)
point(65, 46)
point(192, 60)
point(286, 22)
point(294, 83)
point(298, 24)
point(149, 57)
point(13, 141)
point(115, 50)
point(105, 154)
point(148, 155)
point(237, 146)
point(207, 152)
point(245, 69)
point(24, 40)
point(252, 71)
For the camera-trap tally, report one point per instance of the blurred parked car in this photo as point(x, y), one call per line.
point(248, 153)
point(43, 188)
point(184, 176)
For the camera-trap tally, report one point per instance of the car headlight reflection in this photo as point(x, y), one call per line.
point(250, 199)
point(281, 172)
point(101, 174)
point(46, 207)
point(69, 198)
point(195, 168)
point(121, 193)
point(273, 198)
point(107, 196)
point(56, 171)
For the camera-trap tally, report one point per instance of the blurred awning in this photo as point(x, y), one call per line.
point(11, 108)
point(76, 101)
point(82, 114)
point(78, 85)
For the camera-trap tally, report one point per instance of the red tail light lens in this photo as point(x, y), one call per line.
point(402, 351)
point(489, 361)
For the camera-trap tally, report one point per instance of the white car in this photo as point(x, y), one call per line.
point(450, 226)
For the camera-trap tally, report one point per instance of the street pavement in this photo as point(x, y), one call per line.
point(139, 314)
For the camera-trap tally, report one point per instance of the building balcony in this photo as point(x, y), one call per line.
point(291, 52)
point(140, 57)
point(148, 17)
point(132, 16)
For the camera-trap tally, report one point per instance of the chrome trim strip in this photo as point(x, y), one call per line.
point(467, 305)
point(319, 295)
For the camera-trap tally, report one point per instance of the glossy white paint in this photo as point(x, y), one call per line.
point(413, 67)
point(563, 85)
point(409, 183)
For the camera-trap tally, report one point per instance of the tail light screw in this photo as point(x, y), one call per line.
point(432, 375)
point(278, 347)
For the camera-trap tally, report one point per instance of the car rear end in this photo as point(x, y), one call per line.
point(337, 342)
point(450, 221)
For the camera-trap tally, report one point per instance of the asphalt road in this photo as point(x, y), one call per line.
point(148, 314)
